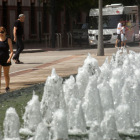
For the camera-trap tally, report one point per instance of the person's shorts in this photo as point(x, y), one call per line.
point(118, 36)
point(123, 38)
point(5, 64)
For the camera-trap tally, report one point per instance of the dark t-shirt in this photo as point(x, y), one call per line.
point(19, 31)
point(4, 51)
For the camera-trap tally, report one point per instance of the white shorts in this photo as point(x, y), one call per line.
point(123, 38)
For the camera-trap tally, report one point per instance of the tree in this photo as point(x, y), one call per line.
point(124, 2)
point(74, 6)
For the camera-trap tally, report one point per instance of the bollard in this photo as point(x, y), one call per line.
point(80, 43)
point(71, 39)
point(48, 37)
point(68, 39)
point(49, 40)
point(60, 38)
point(57, 39)
point(46, 40)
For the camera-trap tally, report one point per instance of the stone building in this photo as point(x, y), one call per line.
point(10, 9)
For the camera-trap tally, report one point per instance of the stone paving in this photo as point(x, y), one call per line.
point(39, 61)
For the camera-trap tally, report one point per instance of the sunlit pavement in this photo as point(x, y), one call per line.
point(38, 64)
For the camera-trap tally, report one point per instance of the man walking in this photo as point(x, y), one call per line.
point(18, 32)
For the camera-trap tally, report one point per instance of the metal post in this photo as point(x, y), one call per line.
point(100, 49)
point(80, 43)
point(39, 23)
point(46, 40)
point(68, 39)
point(71, 39)
point(57, 39)
point(60, 38)
point(49, 40)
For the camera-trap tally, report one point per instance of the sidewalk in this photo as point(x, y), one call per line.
point(41, 47)
point(38, 65)
point(34, 48)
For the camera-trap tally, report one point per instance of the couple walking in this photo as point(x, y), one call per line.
point(6, 45)
point(121, 39)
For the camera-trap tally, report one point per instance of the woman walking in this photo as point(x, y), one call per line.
point(5, 58)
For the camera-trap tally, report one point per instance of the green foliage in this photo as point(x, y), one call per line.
point(124, 2)
point(73, 6)
point(76, 6)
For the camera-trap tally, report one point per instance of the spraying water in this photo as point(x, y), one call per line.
point(11, 125)
point(104, 99)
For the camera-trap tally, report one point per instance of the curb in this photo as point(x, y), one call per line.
point(31, 50)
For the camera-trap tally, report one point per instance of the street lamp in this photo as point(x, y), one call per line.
point(100, 49)
point(39, 23)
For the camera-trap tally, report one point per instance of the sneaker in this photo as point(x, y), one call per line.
point(7, 89)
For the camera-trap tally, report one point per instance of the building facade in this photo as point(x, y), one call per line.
point(10, 9)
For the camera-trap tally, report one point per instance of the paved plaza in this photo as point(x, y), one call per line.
point(39, 61)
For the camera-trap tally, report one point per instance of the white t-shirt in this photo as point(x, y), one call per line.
point(123, 30)
point(119, 26)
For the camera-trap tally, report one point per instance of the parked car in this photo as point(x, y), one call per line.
point(80, 32)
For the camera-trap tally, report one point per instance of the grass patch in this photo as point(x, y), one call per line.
point(18, 99)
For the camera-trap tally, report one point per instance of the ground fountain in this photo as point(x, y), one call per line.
point(92, 102)
point(53, 97)
point(32, 116)
point(95, 131)
point(59, 125)
point(1, 134)
point(108, 126)
point(100, 103)
point(11, 125)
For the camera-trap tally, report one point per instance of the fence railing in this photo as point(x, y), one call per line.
point(59, 40)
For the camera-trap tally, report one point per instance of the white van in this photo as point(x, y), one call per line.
point(111, 16)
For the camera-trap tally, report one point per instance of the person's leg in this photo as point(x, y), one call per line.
point(16, 54)
point(124, 43)
point(119, 41)
point(116, 43)
point(20, 48)
point(6, 75)
point(0, 76)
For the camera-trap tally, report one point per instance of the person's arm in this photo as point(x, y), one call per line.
point(14, 32)
point(119, 26)
point(11, 50)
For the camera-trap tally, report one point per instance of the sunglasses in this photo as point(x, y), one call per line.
point(2, 32)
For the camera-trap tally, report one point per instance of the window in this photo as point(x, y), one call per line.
point(33, 18)
point(109, 22)
point(127, 18)
point(130, 18)
point(134, 18)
